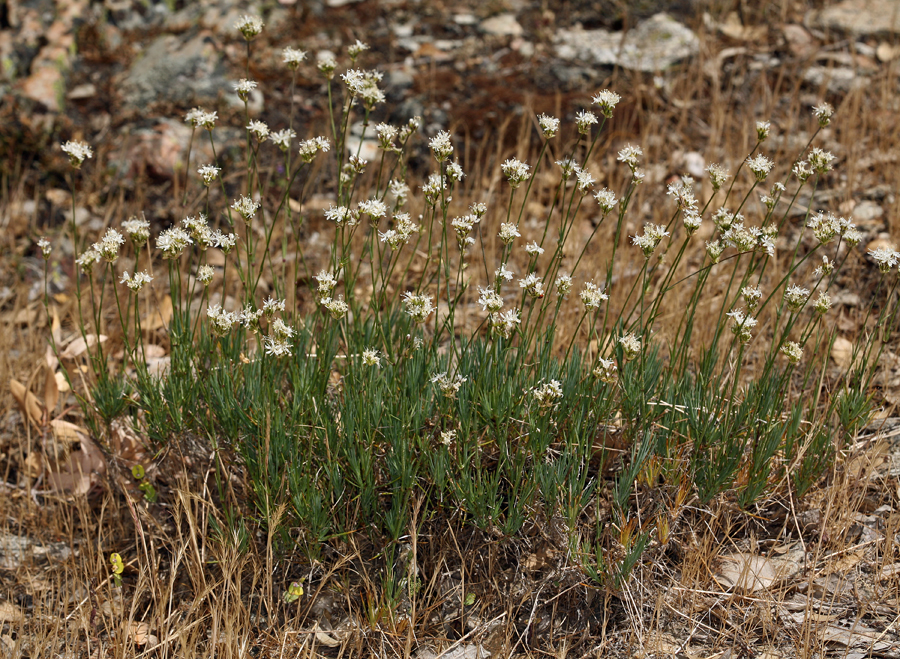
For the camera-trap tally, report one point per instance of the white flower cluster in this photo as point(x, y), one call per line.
point(278, 341)
point(138, 230)
point(592, 296)
point(504, 324)
point(653, 235)
point(533, 285)
point(515, 171)
point(419, 307)
point(309, 148)
point(449, 386)
point(606, 370)
point(401, 233)
point(136, 282)
point(202, 118)
point(742, 325)
point(547, 394)
point(108, 247)
point(364, 84)
point(78, 152)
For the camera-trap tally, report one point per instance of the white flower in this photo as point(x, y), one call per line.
point(221, 321)
point(259, 129)
point(202, 118)
point(503, 273)
point(309, 148)
point(448, 437)
point(691, 220)
point(293, 57)
point(249, 26)
point(820, 160)
point(885, 257)
point(208, 173)
point(282, 138)
point(606, 200)
point(533, 285)
point(449, 386)
point(419, 307)
point(205, 274)
point(508, 233)
point(823, 114)
point(455, 172)
point(631, 346)
point(760, 166)
point(173, 241)
point(717, 175)
point(762, 130)
point(822, 303)
point(326, 64)
point(243, 87)
point(752, 295)
point(584, 181)
point(370, 357)
point(440, 145)
point(563, 285)
point(78, 152)
point(87, 260)
point(592, 296)
point(826, 268)
point(478, 209)
point(490, 300)
point(714, 249)
point(354, 50)
point(225, 242)
point(607, 101)
point(386, 135)
point(45, 247)
point(108, 247)
point(336, 307)
point(584, 120)
point(648, 242)
point(504, 324)
point(136, 282)
point(605, 370)
point(246, 206)
point(271, 305)
point(327, 282)
point(549, 126)
point(547, 394)
point(568, 167)
point(792, 351)
point(533, 249)
point(629, 155)
point(433, 187)
point(515, 171)
point(249, 318)
point(374, 208)
point(741, 325)
point(277, 347)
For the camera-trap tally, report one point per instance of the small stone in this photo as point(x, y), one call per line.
point(860, 17)
point(502, 25)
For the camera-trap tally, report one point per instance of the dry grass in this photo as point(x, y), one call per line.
point(193, 591)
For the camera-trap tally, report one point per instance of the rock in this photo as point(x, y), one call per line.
point(16, 549)
point(184, 71)
point(885, 52)
point(800, 42)
point(159, 150)
point(838, 80)
point(859, 17)
point(654, 45)
point(694, 164)
point(866, 214)
point(502, 25)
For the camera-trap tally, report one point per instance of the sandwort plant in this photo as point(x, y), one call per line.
point(434, 376)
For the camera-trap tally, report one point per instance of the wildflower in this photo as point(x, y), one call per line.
point(277, 347)
point(822, 303)
point(136, 282)
point(259, 130)
point(508, 233)
point(478, 209)
point(717, 176)
point(792, 351)
point(108, 247)
point(691, 220)
point(515, 171)
point(78, 152)
point(87, 260)
point(825, 226)
point(326, 64)
point(607, 101)
point(365, 85)
point(503, 273)
point(629, 155)
point(370, 357)
point(631, 346)
point(533, 285)
point(852, 237)
point(45, 247)
point(419, 307)
point(742, 325)
point(606, 370)
point(682, 190)
point(568, 167)
point(825, 269)
point(221, 321)
point(584, 120)
point(653, 235)
point(309, 148)
point(490, 300)
point(205, 274)
point(762, 130)
point(173, 241)
point(411, 127)
point(504, 324)
point(198, 230)
point(802, 171)
point(327, 281)
point(533, 249)
point(225, 242)
point(271, 305)
point(795, 297)
point(455, 172)
point(637, 176)
point(249, 318)
point(208, 173)
point(293, 57)
point(584, 181)
point(386, 135)
point(547, 394)
point(606, 200)
point(433, 187)
point(820, 160)
point(448, 437)
point(563, 285)
point(714, 249)
point(202, 118)
point(374, 208)
point(885, 257)
point(823, 114)
point(440, 146)
point(724, 218)
point(766, 239)
point(743, 239)
point(282, 138)
point(246, 207)
point(592, 296)
point(400, 234)
point(279, 328)
point(400, 191)
point(357, 164)
point(760, 166)
point(336, 307)
point(243, 87)
point(449, 386)
point(249, 26)
point(752, 295)
point(549, 126)
point(354, 50)
point(463, 226)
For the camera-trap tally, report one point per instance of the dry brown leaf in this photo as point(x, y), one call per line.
point(844, 563)
point(68, 432)
point(51, 391)
point(746, 572)
point(34, 464)
point(80, 472)
point(323, 638)
point(9, 612)
point(29, 403)
point(160, 317)
point(842, 352)
point(139, 632)
point(80, 345)
point(888, 572)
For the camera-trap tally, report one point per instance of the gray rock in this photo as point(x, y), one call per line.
point(502, 25)
point(654, 45)
point(838, 80)
point(186, 71)
point(859, 17)
point(16, 549)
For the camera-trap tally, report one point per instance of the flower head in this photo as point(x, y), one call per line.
point(584, 120)
point(653, 235)
point(547, 394)
point(796, 297)
point(504, 324)
point(370, 357)
point(293, 57)
point(249, 26)
point(282, 138)
point(336, 307)
point(449, 386)
point(221, 321)
point(631, 346)
point(630, 155)
point(717, 176)
point(136, 282)
point(563, 285)
point(246, 207)
point(822, 303)
point(108, 247)
point(508, 233)
point(78, 152)
point(173, 241)
point(490, 300)
point(760, 166)
point(752, 295)
point(792, 351)
point(606, 200)
point(309, 148)
point(205, 274)
point(823, 114)
point(441, 146)
point(515, 171)
point(533, 285)
point(885, 257)
point(549, 126)
point(354, 50)
point(742, 325)
point(243, 87)
point(45, 247)
point(606, 370)
point(208, 173)
point(607, 101)
point(419, 307)
point(762, 130)
point(87, 260)
point(592, 296)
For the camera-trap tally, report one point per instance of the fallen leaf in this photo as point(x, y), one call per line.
point(139, 632)
point(51, 391)
point(80, 472)
point(9, 612)
point(29, 403)
point(68, 432)
point(842, 352)
point(324, 638)
point(80, 345)
point(746, 572)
